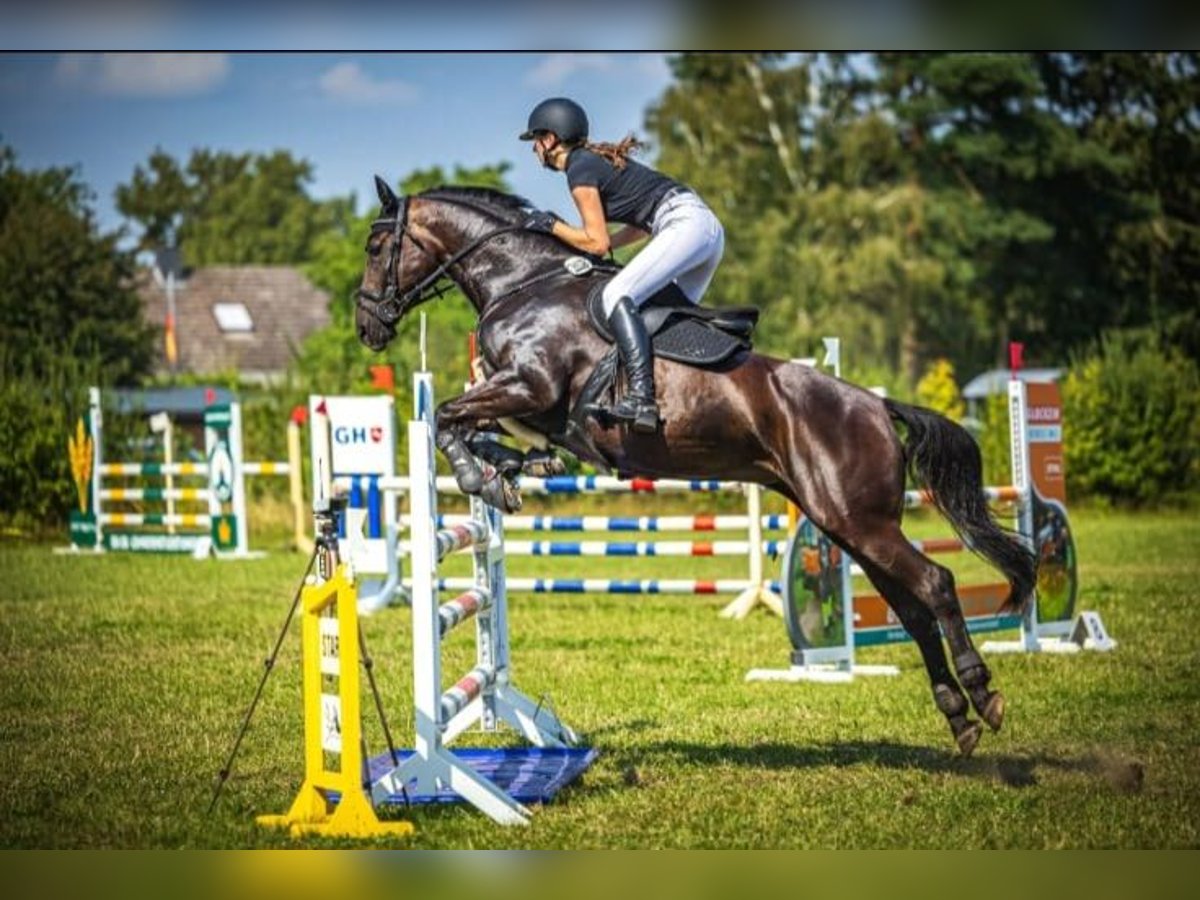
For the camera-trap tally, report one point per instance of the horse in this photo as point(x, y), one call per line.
point(829, 446)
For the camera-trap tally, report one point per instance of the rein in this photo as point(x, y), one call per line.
point(390, 304)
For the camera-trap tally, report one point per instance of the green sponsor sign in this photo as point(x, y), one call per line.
point(83, 530)
point(136, 542)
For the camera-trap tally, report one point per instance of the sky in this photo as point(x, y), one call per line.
point(351, 115)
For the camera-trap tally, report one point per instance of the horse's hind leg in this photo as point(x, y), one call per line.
point(922, 625)
point(932, 585)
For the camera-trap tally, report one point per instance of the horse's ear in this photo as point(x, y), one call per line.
point(387, 196)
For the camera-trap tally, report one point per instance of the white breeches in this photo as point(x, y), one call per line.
point(685, 246)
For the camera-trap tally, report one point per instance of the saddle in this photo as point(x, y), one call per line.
point(682, 331)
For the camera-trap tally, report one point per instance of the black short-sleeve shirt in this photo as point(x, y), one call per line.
point(628, 195)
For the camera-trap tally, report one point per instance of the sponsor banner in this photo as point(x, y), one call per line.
point(224, 532)
point(362, 432)
point(1045, 434)
point(331, 723)
point(1043, 417)
point(83, 530)
point(152, 543)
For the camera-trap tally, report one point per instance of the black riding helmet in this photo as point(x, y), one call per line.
point(564, 117)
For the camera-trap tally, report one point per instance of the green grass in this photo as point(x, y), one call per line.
point(125, 679)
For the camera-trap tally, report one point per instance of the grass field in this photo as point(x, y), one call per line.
point(125, 678)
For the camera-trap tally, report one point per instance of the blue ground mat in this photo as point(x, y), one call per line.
point(527, 774)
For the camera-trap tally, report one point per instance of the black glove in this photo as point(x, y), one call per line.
point(541, 220)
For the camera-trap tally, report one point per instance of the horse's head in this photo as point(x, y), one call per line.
point(398, 272)
point(417, 243)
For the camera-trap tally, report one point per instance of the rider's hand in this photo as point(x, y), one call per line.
point(541, 220)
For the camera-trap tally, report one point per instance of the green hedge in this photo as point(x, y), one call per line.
point(37, 413)
point(1132, 421)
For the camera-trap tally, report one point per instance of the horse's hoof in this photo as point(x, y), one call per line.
point(501, 493)
point(512, 497)
point(993, 713)
point(539, 464)
point(968, 738)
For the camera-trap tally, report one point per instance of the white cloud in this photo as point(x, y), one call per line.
point(556, 68)
point(348, 82)
point(143, 74)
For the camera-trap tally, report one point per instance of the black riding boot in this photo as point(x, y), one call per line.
point(637, 406)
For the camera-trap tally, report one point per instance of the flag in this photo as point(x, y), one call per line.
point(171, 349)
point(833, 354)
point(1015, 353)
point(383, 377)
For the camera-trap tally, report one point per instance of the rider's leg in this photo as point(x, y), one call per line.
point(637, 406)
point(695, 281)
point(686, 247)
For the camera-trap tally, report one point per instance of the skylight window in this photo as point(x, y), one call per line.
point(233, 317)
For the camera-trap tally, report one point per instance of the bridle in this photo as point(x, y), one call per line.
point(389, 304)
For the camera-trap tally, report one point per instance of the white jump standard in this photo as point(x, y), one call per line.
point(486, 694)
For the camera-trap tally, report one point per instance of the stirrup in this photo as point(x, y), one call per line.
point(641, 415)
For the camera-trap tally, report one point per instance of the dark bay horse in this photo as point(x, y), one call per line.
point(827, 445)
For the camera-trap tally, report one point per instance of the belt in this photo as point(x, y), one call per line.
point(677, 191)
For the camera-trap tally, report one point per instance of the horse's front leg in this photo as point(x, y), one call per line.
point(534, 462)
point(506, 394)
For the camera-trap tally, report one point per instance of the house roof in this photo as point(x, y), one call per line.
point(283, 307)
point(996, 381)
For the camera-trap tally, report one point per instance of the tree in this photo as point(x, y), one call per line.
point(939, 205)
point(225, 208)
point(65, 287)
point(1138, 253)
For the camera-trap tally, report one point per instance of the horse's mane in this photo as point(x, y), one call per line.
point(509, 208)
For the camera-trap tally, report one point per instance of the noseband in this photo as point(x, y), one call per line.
point(389, 305)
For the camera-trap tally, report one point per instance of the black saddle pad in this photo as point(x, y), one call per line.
point(682, 331)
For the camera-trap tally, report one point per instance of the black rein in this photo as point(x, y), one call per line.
point(390, 304)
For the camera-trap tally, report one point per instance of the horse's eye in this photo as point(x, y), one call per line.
point(375, 249)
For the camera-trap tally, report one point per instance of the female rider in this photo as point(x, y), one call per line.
point(686, 240)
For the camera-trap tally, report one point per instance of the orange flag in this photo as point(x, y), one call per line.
point(172, 351)
point(383, 377)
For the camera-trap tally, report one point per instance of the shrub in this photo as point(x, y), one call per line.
point(938, 390)
point(1132, 420)
point(38, 411)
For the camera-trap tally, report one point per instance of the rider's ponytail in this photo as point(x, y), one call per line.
point(618, 153)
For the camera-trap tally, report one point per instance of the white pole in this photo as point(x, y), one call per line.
point(96, 415)
point(322, 458)
point(239, 478)
point(754, 511)
point(160, 423)
point(426, 638)
point(169, 458)
point(424, 345)
point(1019, 441)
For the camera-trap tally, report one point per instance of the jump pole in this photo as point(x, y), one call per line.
point(486, 694)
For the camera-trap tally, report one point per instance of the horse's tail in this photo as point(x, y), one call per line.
point(945, 458)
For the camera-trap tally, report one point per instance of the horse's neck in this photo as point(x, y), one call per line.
point(491, 271)
point(454, 234)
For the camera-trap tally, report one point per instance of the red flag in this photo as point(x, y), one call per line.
point(383, 377)
point(1015, 353)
